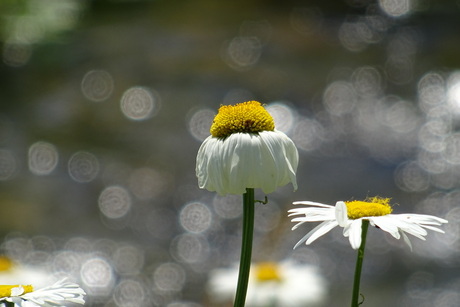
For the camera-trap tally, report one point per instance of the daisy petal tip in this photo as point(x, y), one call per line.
point(297, 244)
point(296, 203)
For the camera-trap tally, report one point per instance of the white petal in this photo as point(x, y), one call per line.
point(241, 163)
point(280, 149)
point(341, 213)
point(423, 219)
point(346, 229)
point(16, 291)
point(313, 214)
point(297, 225)
point(328, 225)
point(386, 224)
point(202, 161)
point(409, 227)
point(317, 232)
point(311, 203)
point(355, 231)
point(211, 166)
point(433, 228)
point(406, 239)
point(316, 210)
point(314, 218)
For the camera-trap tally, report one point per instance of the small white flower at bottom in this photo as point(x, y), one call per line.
point(58, 294)
point(286, 284)
point(376, 210)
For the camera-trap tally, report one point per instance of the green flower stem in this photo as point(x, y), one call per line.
point(8, 304)
point(359, 264)
point(246, 248)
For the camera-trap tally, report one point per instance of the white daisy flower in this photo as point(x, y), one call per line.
point(12, 273)
point(58, 294)
point(285, 284)
point(245, 150)
point(350, 214)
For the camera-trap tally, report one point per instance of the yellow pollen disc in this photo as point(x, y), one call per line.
point(5, 264)
point(246, 117)
point(267, 271)
point(5, 290)
point(373, 206)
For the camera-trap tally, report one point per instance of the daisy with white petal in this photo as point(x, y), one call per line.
point(355, 217)
point(13, 273)
point(351, 214)
point(245, 152)
point(58, 294)
point(286, 284)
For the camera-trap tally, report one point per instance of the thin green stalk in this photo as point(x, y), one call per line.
point(359, 264)
point(246, 248)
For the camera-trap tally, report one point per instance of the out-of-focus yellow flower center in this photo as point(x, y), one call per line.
point(5, 264)
point(246, 117)
point(267, 271)
point(5, 290)
point(373, 206)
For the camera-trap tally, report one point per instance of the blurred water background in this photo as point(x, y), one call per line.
point(105, 103)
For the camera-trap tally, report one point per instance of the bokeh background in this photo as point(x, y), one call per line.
point(104, 105)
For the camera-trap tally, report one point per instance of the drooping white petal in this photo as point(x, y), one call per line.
point(317, 232)
point(409, 227)
point(406, 239)
point(320, 231)
point(297, 225)
point(354, 233)
point(279, 148)
point(245, 170)
point(210, 163)
point(386, 224)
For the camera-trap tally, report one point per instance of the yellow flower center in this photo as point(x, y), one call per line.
point(373, 206)
point(246, 117)
point(5, 290)
point(5, 264)
point(267, 271)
